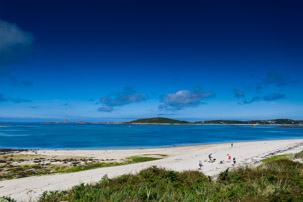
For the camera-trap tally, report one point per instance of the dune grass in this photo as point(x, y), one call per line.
point(299, 155)
point(283, 156)
point(88, 166)
point(138, 159)
point(34, 170)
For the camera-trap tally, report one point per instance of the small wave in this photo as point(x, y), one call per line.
point(12, 130)
point(31, 126)
point(12, 135)
point(274, 131)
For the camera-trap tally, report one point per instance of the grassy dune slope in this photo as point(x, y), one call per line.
point(275, 180)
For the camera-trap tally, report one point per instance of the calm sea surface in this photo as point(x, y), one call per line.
point(36, 136)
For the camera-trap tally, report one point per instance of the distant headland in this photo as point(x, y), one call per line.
point(168, 121)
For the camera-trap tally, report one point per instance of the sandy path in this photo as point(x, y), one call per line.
point(180, 159)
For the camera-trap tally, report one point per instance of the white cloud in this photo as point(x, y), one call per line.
point(184, 98)
point(15, 43)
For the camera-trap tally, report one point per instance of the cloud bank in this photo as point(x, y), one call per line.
point(274, 96)
point(268, 97)
point(15, 44)
point(254, 99)
point(183, 99)
point(127, 96)
point(271, 82)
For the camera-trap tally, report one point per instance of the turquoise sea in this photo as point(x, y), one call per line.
point(37, 136)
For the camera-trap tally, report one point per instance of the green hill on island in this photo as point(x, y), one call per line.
point(159, 120)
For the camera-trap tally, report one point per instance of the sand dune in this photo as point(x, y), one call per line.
point(179, 159)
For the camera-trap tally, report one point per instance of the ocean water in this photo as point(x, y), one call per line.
point(37, 136)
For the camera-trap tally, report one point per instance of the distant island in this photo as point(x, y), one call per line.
point(161, 120)
point(168, 121)
point(157, 120)
point(254, 122)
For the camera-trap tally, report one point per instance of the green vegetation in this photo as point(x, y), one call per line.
point(299, 155)
point(88, 166)
point(6, 199)
point(159, 120)
point(283, 156)
point(277, 179)
point(138, 159)
point(20, 171)
point(162, 155)
point(19, 157)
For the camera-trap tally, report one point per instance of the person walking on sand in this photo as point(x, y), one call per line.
point(200, 165)
point(234, 160)
point(229, 157)
point(232, 144)
point(210, 156)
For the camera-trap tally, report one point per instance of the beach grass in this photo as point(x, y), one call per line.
point(283, 156)
point(278, 179)
point(37, 169)
point(7, 199)
point(299, 155)
point(88, 166)
point(138, 159)
point(162, 155)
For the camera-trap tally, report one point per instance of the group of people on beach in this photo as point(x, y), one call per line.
point(229, 159)
point(212, 160)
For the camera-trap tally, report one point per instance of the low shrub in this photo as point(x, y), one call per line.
point(279, 180)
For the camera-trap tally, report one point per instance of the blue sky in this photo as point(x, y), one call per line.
point(121, 60)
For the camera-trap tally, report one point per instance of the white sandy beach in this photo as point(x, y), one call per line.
point(178, 158)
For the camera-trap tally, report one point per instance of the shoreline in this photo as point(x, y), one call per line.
point(140, 148)
point(141, 151)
